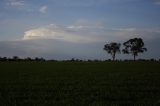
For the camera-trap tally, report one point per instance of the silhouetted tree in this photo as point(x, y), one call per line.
point(134, 46)
point(15, 58)
point(112, 48)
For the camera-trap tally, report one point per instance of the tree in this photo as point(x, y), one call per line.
point(134, 46)
point(15, 58)
point(112, 48)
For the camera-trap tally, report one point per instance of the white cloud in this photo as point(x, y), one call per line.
point(85, 24)
point(83, 31)
point(43, 9)
point(16, 2)
point(57, 32)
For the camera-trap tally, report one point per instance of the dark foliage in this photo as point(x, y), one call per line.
point(134, 46)
point(112, 48)
point(16, 58)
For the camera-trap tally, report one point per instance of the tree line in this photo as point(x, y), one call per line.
point(132, 46)
point(16, 58)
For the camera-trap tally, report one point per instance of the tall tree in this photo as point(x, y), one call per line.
point(112, 48)
point(134, 46)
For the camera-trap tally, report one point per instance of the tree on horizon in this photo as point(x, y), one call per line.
point(134, 46)
point(112, 48)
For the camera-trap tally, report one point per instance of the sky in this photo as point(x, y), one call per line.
point(65, 29)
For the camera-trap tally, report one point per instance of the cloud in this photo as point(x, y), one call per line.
point(66, 42)
point(86, 3)
point(145, 33)
point(85, 24)
point(55, 32)
point(124, 29)
point(72, 33)
point(43, 9)
point(157, 2)
point(16, 2)
point(87, 32)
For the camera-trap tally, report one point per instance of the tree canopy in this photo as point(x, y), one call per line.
point(134, 46)
point(112, 48)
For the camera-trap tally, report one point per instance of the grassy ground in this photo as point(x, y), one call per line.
point(79, 83)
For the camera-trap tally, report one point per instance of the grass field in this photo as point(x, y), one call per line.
point(79, 83)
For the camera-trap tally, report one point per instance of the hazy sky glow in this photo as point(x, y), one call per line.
point(62, 29)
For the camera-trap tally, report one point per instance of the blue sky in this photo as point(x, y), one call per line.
point(42, 27)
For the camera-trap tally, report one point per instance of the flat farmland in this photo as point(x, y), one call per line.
point(79, 83)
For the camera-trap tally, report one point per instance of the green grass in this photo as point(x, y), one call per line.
point(79, 83)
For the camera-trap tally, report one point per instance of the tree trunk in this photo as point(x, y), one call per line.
point(134, 57)
point(114, 56)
